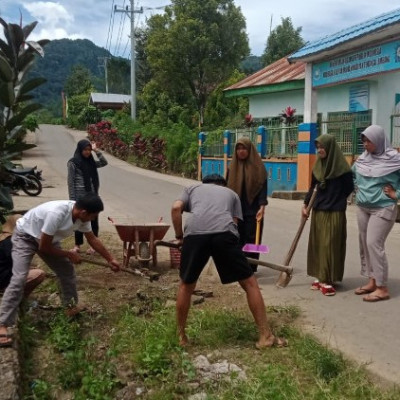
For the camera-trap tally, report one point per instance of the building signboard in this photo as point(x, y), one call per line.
point(381, 58)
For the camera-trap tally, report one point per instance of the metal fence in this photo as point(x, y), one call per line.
point(347, 127)
point(282, 139)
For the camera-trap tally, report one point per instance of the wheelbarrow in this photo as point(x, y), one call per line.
point(138, 240)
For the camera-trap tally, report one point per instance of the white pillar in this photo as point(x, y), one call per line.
point(310, 97)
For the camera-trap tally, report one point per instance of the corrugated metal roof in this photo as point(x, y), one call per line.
point(278, 72)
point(110, 98)
point(345, 35)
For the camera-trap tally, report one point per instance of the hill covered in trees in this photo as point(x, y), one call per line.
point(60, 56)
point(63, 54)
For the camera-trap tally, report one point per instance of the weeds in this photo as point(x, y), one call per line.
point(134, 344)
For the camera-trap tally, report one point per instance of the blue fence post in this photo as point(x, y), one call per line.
point(261, 141)
point(227, 149)
point(202, 139)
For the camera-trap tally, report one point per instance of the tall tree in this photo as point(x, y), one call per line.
point(195, 45)
point(282, 41)
point(119, 73)
point(79, 81)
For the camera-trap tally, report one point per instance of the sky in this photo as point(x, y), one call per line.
point(96, 21)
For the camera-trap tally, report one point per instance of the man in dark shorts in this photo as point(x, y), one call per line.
point(211, 231)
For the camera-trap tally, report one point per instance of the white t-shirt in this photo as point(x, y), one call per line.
point(53, 218)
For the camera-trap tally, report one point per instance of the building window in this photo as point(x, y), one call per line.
point(270, 173)
point(279, 175)
point(288, 175)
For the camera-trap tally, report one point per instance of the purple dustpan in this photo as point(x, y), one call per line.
point(255, 248)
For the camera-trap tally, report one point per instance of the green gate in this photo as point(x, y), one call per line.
point(347, 127)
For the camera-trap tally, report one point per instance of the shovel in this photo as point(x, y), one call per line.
point(256, 248)
point(277, 267)
point(284, 278)
point(152, 277)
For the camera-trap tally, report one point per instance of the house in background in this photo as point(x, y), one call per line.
point(109, 101)
point(272, 89)
point(339, 84)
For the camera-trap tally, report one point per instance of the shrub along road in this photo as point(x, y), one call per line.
point(367, 333)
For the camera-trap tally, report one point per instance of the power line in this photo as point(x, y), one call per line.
point(110, 26)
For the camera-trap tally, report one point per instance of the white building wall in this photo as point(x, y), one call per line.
point(382, 92)
point(387, 87)
point(272, 104)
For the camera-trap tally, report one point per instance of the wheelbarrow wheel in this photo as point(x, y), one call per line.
point(144, 253)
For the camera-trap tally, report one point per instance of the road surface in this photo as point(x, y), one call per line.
point(365, 332)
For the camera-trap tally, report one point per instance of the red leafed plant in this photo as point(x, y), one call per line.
point(248, 120)
point(287, 115)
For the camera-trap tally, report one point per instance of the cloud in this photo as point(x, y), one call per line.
point(55, 21)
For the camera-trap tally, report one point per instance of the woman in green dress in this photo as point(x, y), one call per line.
point(328, 232)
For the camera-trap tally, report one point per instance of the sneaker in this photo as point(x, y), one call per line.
point(316, 285)
point(76, 249)
point(90, 251)
point(328, 290)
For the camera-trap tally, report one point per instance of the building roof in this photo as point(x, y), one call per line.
point(377, 28)
point(276, 77)
point(109, 98)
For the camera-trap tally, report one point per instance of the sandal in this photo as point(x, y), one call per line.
point(361, 291)
point(328, 290)
point(76, 249)
point(276, 342)
point(9, 342)
point(90, 251)
point(316, 285)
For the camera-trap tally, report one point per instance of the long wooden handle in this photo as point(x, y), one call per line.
point(258, 232)
point(104, 264)
point(276, 267)
point(296, 239)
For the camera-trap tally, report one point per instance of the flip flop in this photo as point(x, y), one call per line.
point(374, 298)
point(8, 343)
point(362, 290)
point(277, 342)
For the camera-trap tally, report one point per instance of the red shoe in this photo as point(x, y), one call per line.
point(328, 290)
point(316, 285)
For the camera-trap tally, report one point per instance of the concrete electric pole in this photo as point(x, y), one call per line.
point(103, 64)
point(131, 14)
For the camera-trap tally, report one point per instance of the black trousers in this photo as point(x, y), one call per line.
point(79, 235)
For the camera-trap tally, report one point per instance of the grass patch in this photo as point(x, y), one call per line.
point(130, 343)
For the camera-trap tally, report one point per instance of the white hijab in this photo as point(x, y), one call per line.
point(384, 160)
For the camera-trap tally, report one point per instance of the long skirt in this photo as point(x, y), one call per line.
point(327, 246)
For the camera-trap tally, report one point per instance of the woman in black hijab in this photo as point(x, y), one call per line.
point(84, 178)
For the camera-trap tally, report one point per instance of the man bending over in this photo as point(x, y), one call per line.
point(211, 231)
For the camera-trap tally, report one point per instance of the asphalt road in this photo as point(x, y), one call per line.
point(365, 332)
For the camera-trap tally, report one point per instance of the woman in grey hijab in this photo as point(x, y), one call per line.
point(377, 180)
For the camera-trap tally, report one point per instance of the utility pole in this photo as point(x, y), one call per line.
point(131, 14)
point(104, 60)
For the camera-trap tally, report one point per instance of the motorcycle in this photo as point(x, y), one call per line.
point(25, 179)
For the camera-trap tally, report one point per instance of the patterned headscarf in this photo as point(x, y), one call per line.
point(333, 165)
point(252, 171)
point(87, 166)
point(384, 160)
